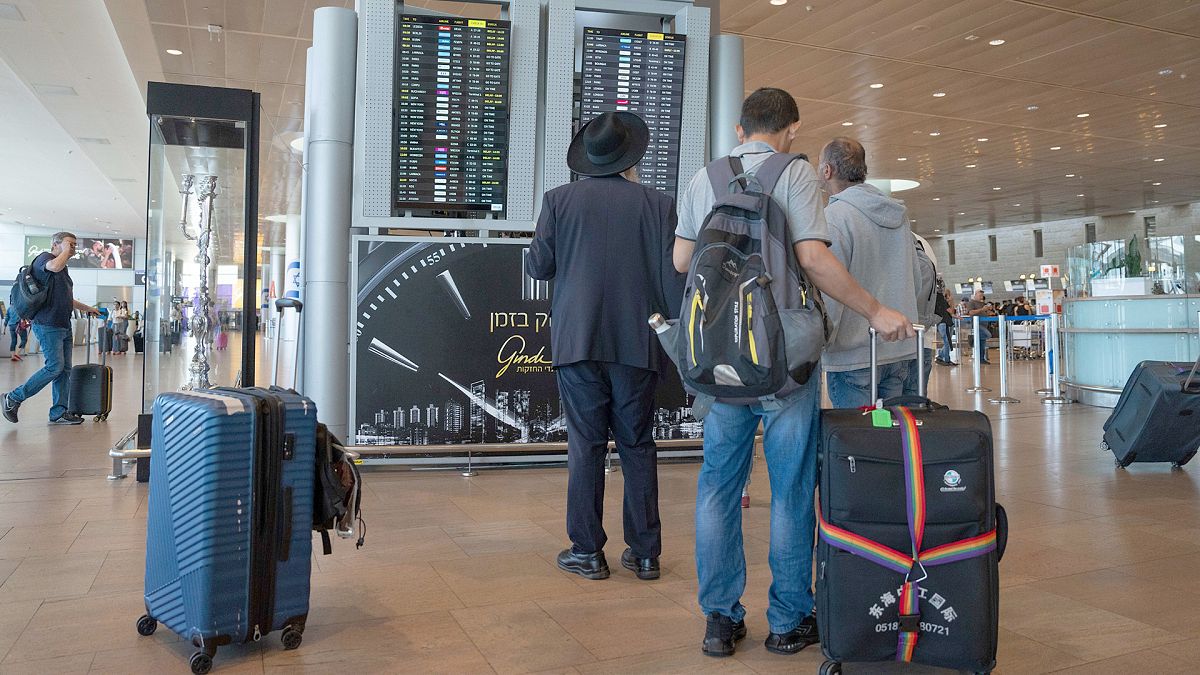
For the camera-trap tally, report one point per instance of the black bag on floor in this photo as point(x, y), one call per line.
point(1157, 418)
point(90, 388)
point(139, 342)
point(909, 539)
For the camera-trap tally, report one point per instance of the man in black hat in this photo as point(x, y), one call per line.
point(606, 241)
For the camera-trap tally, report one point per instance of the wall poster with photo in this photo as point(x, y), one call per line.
point(105, 254)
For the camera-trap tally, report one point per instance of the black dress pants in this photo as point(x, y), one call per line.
point(598, 397)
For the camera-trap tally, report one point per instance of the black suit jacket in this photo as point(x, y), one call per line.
point(606, 243)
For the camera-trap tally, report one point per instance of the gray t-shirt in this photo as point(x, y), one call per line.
point(798, 192)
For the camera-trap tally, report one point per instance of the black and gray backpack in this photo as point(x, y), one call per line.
point(751, 326)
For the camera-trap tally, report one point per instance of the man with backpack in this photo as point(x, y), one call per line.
point(768, 126)
point(52, 327)
point(872, 238)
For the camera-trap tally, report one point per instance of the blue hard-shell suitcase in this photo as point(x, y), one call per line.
point(1157, 418)
point(228, 542)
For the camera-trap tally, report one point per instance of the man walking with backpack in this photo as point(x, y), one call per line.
point(52, 327)
point(769, 123)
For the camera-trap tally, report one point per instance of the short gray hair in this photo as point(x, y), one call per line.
point(60, 236)
point(847, 158)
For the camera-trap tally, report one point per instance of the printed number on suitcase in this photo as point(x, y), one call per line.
point(926, 628)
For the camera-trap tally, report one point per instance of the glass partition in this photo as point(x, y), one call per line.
point(1154, 266)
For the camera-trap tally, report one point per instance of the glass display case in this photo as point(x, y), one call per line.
point(202, 283)
point(1168, 265)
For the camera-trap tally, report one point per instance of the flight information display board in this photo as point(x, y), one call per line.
point(641, 73)
point(450, 134)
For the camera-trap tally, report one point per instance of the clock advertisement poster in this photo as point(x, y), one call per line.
point(452, 346)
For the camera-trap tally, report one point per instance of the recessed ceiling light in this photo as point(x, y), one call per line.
point(1156, 183)
point(937, 230)
point(1080, 195)
point(1165, 71)
point(901, 159)
point(996, 43)
point(995, 188)
point(1056, 147)
point(1160, 159)
point(970, 166)
point(297, 144)
point(62, 90)
point(1160, 126)
point(1153, 201)
point(1031, 108)
point(175, 52)
point(935, 133)
point(939, 94)
point(937, 199)
point(1070, 175)
point(962, 213)
point(1016, 204)
point(877, 85)
point(847, 124)
point(778, 3)
point(1082, 115)
point(982, 140)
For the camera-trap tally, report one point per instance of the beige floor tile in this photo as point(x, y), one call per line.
point(117, 506)
point(110, 535)
point(35, 513)
point(612, 628)
point(490, 508)
point(60, 665)
point(1019, 655)
point(423, 515)
point(26, 540)
point(1149, 602)
point(83, 625)
point(503, 537)
point(679, 661)
point(386, 547)
point(122, 571)
point(150, 656)
point(54, 576)
point(1187, 650)
point(520, 638)
point(7, 567)
point(1148, 661)
point(505, 578)
point(423, 643)
point(378, 593)
point(1083, 631)
point(14, 616)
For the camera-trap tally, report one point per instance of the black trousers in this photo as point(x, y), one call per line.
point(598, 397)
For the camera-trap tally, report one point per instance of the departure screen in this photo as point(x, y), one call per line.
point(450, 133)
point(640, 73)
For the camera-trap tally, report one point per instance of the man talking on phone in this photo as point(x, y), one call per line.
point(52, 327)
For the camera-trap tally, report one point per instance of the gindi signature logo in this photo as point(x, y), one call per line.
point(512, 353)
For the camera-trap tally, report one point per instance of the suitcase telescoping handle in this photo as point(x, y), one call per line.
point(282, 304)
point(88, 347)
point(920, 362)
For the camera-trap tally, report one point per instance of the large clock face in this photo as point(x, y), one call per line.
point(453, 346)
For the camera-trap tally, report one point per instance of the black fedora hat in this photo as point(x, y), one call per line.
point(609, 144)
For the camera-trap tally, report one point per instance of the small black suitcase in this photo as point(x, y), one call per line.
point(139, 342)
point(90, 388)
point(1157, 418)
point(894, 481)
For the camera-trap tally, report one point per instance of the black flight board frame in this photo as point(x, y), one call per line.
point(642, 73)
point(450, 121)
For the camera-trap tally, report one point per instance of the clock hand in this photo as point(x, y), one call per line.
point(447, 282)
point(378, 348)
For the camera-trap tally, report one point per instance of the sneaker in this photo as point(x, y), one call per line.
point(67, 419)
point(17, 357)
point(9, 408)
point(795, 639)
point(721, 635)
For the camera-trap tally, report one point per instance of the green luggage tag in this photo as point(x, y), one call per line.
point(882, 418)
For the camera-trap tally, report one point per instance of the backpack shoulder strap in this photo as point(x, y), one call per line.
point(723, 172)
point(772, 169)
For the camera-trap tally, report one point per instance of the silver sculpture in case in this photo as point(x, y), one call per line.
point(201, 321)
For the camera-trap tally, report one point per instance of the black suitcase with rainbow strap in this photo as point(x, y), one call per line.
point(909, 537)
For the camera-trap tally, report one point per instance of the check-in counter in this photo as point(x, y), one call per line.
point(1105, 337)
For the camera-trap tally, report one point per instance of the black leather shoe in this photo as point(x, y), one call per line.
point(9, 408)
point(586, 565)
point(645, 568)
point(795, 639)
point(721, 635)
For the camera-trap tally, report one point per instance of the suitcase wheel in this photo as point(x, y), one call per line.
point(146, 626)
point(100, 418)
point(201, 663)
point(1128, 460)
point(292, 638)
point(830, 668)
point(1104, 446)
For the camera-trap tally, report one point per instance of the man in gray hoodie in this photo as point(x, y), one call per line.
point(871, 236)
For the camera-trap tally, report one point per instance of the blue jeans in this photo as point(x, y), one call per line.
point(56, 347)
point(790, 447)
point(981, 342)
point(911, 384)
point(944, 334)
point(852, 388)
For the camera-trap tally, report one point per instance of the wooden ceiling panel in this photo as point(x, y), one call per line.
point(1181, 16)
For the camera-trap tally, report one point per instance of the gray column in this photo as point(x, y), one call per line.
point(727, 88)
point(329, 155)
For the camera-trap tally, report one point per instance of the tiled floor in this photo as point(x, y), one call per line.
point(458, 575)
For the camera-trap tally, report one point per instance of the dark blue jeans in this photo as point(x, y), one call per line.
point(852, 388)
point(56, 347)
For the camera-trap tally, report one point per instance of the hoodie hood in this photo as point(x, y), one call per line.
point(879, 208)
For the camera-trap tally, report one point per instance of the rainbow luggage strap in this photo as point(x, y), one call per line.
point(911, 566)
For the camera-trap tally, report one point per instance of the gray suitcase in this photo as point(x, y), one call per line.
point(1157, 418)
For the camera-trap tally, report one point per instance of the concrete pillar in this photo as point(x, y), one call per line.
point(727, 88)
point(329, 154)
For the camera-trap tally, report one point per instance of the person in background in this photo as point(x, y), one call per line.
point(769, 123)
point(52, 327)
point(605, 240)
point(873, 239)
point(945, 328)
point(18, 330)
point(978, 306)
